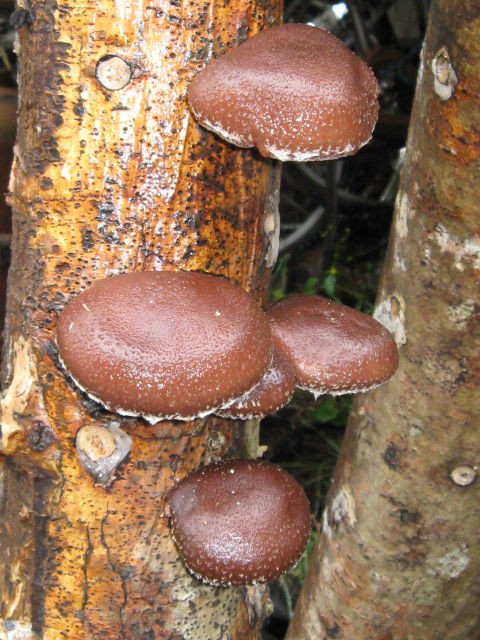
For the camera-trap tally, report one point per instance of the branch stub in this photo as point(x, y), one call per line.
point(101, 449)
point(463, 475)
point(113, 73)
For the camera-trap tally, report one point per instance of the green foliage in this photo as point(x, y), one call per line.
point(333, 410)
point(279, 281)
point(311, 286)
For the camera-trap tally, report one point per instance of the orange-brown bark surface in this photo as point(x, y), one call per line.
point(104, 182)
point(399, 556)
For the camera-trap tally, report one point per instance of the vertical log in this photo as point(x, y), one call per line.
point(112, 175)
point(399, 557)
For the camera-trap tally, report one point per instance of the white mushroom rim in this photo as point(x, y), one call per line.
point(154, 419)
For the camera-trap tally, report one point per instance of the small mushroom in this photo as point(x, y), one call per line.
point(294, 91)
point(333, 348)
point(273, 391)
point(164, 344)
point(239, 522)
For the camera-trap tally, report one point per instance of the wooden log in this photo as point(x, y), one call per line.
point(111, 178)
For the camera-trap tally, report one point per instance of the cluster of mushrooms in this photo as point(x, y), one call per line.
point(183, 345)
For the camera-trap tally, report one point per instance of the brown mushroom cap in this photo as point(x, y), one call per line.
point(168, 344)
point(239, 522)
point(333, 348)
point(272, 392)
point(294, 91)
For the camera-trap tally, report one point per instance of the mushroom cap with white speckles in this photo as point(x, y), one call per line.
point(333, 348)
point(294, 91)
point(239, 521)
point(164, 344)
point(273, 391)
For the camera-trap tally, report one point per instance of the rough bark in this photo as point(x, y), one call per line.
point(108, 181)
point(399, 557)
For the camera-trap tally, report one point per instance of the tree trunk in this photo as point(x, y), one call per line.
point(399, 557)
point(112, 175)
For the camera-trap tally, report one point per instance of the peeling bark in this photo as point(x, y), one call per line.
point(399, 557)
point(104, 182)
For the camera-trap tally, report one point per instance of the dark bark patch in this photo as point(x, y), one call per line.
point(79, 108)
point(41, 561)
point(189, 253)
point(391, 456)
point(105, 210)
point(46, 183)
point(22, 18)
point(40, 120)
point(332, 632)
point(409, 517)
point(87, 239)
point(40, 437)
point(52, 351)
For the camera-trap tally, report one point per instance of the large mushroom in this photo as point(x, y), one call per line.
point(333, 348)
point(293, 91)
point(239, 522)
point(164, 344)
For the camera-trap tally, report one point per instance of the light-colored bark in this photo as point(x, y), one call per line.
point(109, 181)
point(399, 557)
